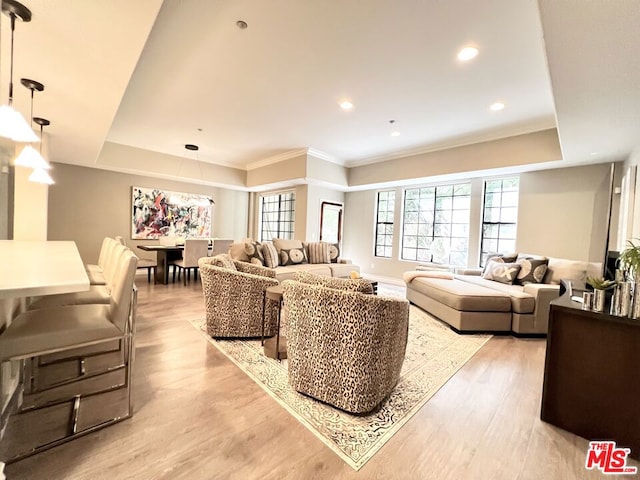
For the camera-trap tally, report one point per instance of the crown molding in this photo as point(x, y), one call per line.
point(325, 156)
point(276, 159)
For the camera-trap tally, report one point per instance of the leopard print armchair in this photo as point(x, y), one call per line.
point(344, 348)
point(234, 298)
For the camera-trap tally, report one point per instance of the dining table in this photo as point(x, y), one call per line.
point(164, 255)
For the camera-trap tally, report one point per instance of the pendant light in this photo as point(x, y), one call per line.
point(40, 175)
point(30, 157)
point(12, 123)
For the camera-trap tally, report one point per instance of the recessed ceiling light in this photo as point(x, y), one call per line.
point(594, 153)
point(346, 105)
point(467, 53)
point(497, 106)
point(395, 133)
point(241, 24)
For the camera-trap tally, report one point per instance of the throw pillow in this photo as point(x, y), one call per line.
point(532, 270)
point(319, 252)
point(293, 256)
point(224, 260)
point(253, 250)
point(281, 243)
point(499, 257)
point(501, 272)
point(237, 252)
point(270, 254)
point(334, 252)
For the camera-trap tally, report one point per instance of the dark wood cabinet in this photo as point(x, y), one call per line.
point(592, 374)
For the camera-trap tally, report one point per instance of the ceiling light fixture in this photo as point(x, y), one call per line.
point(467, 53)
point(394, 133)
point(497, 106)
point(30, 157)
point(204, 201)
point(12, 123)
point(346, 105)
point(40, 175)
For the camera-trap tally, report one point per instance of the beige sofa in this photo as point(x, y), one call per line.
point(471, 303)
point(342, 268)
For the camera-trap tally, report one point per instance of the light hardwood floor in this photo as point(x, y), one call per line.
point(197, 416)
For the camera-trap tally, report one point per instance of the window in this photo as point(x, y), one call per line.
point(436, 224)
point(277, 216)
point(499, 216)
point(384, 224)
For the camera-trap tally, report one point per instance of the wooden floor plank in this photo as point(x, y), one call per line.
point(198, 416)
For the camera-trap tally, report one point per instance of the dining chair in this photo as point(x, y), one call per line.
point(100, 294)
point(143, 263)
point(96, 272)
point(220, 246)
point(35, 333)
point(194, 249)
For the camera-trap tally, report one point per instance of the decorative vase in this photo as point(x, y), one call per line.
point(598, 300)
point(635, 300)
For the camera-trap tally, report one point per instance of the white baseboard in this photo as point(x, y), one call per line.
point(383, 279)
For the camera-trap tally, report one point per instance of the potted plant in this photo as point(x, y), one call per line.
point(600, 286)
point(629, 261)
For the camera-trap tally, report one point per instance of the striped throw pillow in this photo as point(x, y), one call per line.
point(319, 252)
point(270, 254)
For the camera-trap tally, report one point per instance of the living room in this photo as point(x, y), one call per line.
point(570, 112)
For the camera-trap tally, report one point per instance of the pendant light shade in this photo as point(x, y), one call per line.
point(31, 158)
point(40, 175)
point(12, 123)
point(14, 126)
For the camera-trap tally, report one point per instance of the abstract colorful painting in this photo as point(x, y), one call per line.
point(158, 213)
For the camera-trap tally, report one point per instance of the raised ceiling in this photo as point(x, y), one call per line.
point(148, 74)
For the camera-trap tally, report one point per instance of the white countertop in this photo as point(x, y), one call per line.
point(29, 269)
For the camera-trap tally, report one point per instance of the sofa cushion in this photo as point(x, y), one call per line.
point(270, 254)
point(462, 296)
point(334, 252)
point(253, 250)
point(573, 270)
point(521, 302)
point(501, 272)
point(319, 252)
point(286, 272)
point(532, 270)
point(342, 269)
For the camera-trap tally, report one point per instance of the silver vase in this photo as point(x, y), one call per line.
point(635, 300)
point(598, 300)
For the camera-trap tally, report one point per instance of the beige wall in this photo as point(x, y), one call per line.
point(290, 169)
point(534, 147)
point(86, 204)
point(561, 214)
point(328, 172)
point(115, 156)
point(30, 207)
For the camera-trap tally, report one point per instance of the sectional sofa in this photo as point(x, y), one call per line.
point(468, 302)
point(286, 257)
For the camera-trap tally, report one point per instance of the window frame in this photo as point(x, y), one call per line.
point(378, 223)
point(280, 232)
point(499, 224)
point(432, 223)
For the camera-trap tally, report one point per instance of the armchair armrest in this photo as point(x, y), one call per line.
point(253, 269)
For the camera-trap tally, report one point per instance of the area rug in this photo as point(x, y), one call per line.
point(434, 354)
